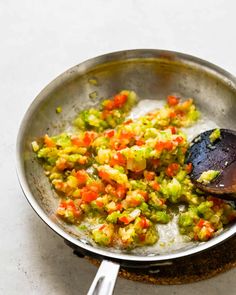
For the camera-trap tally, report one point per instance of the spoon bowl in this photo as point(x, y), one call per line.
point(219, 155)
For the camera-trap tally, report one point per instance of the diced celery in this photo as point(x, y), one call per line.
point(112, 218)
point(174, 190)
point(207, 176)
point(160, 217)
point(185, 220)
point(214, 135)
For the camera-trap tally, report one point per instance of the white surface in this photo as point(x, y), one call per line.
point(41, 39)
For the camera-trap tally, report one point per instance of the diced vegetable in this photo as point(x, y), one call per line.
point(207, 176)
point(214, 135)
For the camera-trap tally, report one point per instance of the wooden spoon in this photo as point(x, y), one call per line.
point(218, 155)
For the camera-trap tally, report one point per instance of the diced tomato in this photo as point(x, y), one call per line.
point(120, 100)
point(132, 201)
point(91, 191)
point(208, 233)
point(110, 133)
point(99, 203)
point(104, 175)
point(164, 145)
point(126, 219)
point(160, 146)
point(204, 223)
point(206, 229)
point(88, 196)
point(118, 159)
point(155, 185)
point(67, 205)
point(149, 175)
point(127, 122)
point(126, 134)
point(179, 113)
point(119, 206)
point(70, 204)
point(173, 129)
point(102, 227)
point(179, 139)
point(189, 167)
point(117, 102)
point(168, 145)
point(63, 204)
point(200, 223)
point(144, 194)
point(61, 164)
point(109, 105)
point(144, 223)
point(48, 141)
point(172, 115)
point(117, 144)
point(77, 141)
point(82, 176)
point(172, 169)
point(140, 142)
point(89, 137)
point(121, 191)
point(96, 186)
point(172, 100)
point(121, 146)
point(106, 113)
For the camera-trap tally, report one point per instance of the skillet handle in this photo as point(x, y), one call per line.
point(105, 279)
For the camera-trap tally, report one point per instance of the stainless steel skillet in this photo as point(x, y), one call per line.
point(152, 74)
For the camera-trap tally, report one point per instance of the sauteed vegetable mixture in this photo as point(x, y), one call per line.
point(122, 176)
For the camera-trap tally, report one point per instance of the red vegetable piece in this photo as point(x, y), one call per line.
point(120, 100)
point(48, 141)
point(172, 100)
point(172, 169)
point(110, 133)
point(149, 175)
point(82, 176)
point(89, 137)
point(89, 196)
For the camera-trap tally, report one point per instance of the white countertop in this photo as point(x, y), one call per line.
point(40, 40)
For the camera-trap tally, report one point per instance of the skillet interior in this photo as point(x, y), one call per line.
point(152, 74)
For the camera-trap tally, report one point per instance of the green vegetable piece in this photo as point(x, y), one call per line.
point(112, 218)
point(82, 227)
point(214, 135)
point(58, 110)
point(103, 235)
point(174, 190)
point(151, 236)
point(62, 140)
point(160, 217)
point(207, 176)
point(186, 220)
point(35, 146)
